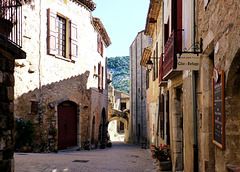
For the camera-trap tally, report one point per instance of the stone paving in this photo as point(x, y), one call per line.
point(120, 157)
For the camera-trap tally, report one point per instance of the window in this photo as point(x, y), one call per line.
point(123, 106)
point(147, 79)
point(61, 36)
point(99, 45)
point(100, 74)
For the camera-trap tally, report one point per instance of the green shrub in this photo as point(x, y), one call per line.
point(25, 133)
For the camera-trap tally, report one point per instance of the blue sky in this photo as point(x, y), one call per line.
point(122, 19)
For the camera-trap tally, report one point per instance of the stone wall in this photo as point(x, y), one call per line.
point(8, 54)
point(50, 79)
point(220, 29)
point(138, 89)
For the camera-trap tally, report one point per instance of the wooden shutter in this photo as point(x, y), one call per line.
point(51, 32)
point(99, 75)
point(73, 41)
point(102, 78)
point(98, 43)
point(156, 60)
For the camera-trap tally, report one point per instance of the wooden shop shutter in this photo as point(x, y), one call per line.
point(51, 32)
point(73, 41)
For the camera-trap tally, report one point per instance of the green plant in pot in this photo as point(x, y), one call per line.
point(53, 131)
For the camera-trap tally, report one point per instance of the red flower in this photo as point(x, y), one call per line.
point(152, 145)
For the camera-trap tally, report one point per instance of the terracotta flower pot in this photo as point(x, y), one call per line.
point(165, 165)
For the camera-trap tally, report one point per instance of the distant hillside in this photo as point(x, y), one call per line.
point(119, 67)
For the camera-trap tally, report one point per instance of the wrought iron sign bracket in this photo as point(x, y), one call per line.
point(197, 47)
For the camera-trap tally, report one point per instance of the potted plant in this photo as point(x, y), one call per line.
point(162, 156)
point(53, 132)
point(6, 23)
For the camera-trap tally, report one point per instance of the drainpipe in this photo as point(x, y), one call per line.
point(194, 83)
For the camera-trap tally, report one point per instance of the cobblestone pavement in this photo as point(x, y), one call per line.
point(120, 157)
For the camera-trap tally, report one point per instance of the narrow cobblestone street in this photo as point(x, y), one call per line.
point(120, 157)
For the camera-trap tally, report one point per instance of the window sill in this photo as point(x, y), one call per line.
point(65, 59)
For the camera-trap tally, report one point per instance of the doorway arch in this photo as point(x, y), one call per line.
point(67, 124)
point(232, 111)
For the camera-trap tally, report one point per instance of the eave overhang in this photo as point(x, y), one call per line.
point(147, 52)
point(101, 30)
point(153, 13)
point(89, 4)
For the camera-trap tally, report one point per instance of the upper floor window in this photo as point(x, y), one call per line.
point(100, 45)
point(61, 36)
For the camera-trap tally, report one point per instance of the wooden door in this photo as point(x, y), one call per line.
point(67, 125)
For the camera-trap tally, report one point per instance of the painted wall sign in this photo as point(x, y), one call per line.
point(188, 61)
point(218, 118)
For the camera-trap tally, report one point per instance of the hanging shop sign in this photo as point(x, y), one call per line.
point(218, 118)
point(188, 61)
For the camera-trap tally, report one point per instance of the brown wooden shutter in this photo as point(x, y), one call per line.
point(156, 60)
point(102, 78)
point(73, 41)
point(98, 43)
point(51, 32)
point(99, 75)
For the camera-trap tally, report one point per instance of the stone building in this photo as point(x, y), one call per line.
point(198, 110)
point(219, 28)
point(62, 82)
point(138, 130)
point(10, 49)
point(118, 112)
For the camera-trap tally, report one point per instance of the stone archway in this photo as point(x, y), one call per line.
point(122, 120)
point(232, 110)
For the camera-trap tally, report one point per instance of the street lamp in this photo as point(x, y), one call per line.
point(149, 64)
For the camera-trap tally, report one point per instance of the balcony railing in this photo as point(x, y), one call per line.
point(173, 45)
point(11, 21)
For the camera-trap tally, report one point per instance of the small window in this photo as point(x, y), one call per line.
point(99, 45)
point(34, 107)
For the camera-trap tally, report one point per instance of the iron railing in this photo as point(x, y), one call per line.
point(11, 21)
point(173, 45)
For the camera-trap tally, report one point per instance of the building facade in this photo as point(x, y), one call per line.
point(198, 112)
point(138, 130)
point(10, 49)
point(65, 72)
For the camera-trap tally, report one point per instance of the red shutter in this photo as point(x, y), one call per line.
point(52, 32)
point(73, 41)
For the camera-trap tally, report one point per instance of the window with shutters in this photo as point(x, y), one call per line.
point(154, 66)
point(99, 45)
point(62, 40)
point(100, 76)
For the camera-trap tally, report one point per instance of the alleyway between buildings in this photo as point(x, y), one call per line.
point(120, 157)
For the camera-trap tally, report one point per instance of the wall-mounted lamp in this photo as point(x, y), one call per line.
point(149, 64)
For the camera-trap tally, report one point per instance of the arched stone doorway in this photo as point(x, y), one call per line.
point(120, 122)
point(232, 110)
point(67, 124)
